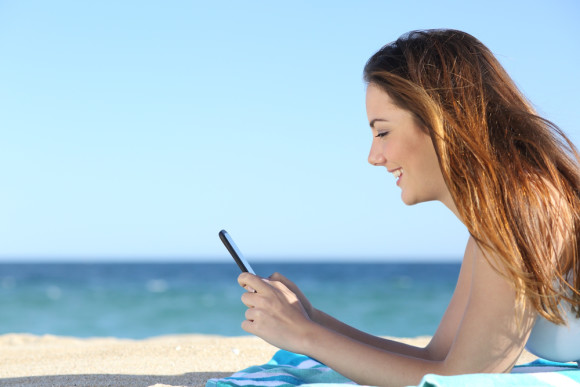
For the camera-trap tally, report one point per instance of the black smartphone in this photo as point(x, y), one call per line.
point(235, 252)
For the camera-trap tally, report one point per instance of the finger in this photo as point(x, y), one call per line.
point(251, 314)
point(277, 284)
point(277, 277)
point(280, 278)
point(248, 299)
point(253, 281)
point(248, 326)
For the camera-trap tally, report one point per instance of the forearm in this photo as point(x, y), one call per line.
point(364, 363)
point(374, 341)
point(276, 315)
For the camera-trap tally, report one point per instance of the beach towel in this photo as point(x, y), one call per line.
point(290, 369)
point(285, 369)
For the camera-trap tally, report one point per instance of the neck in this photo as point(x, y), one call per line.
point(449, 203)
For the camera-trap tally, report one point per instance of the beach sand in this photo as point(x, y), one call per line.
point(181, 360)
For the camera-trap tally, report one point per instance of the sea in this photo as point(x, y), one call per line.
point(140, 300)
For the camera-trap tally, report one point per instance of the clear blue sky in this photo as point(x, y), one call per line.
point(139, 129)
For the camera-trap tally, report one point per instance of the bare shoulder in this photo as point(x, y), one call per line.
point(494, 328)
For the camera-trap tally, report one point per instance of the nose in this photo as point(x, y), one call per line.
point(376, 157)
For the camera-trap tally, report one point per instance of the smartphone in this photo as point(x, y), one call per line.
point(235, 252)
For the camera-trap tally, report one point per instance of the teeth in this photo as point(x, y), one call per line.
point(397, 173)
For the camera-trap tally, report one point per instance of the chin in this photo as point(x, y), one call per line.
point(409, 201)
point(412, 200)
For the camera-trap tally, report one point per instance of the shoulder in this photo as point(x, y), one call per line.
point(492, 333)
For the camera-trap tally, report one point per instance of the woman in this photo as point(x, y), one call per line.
point(450, 125)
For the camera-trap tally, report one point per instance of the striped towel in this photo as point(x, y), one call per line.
point(290, 369)
point(285, 369)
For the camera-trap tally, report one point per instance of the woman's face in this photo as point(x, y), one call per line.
point(404, 149)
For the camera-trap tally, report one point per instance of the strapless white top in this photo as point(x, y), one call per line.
point(553, 342)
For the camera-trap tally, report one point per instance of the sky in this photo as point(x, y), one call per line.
point(136, 130)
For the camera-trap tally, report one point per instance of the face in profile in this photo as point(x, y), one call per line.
point(402, 146)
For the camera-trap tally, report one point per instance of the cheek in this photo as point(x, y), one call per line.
point(419, 158)
point(429, 160)
point(390, 150)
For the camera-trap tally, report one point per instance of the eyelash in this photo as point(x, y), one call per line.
point(383, 134)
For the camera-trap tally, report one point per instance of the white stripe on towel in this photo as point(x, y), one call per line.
point(310, 363)
point(556, 379)
point(249, 382)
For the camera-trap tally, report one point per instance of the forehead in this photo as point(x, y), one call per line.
point(376, 93)
point(380, 105)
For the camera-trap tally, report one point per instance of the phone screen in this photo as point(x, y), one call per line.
point(235, 252)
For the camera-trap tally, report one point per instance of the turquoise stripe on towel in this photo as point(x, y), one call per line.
point(290, 369)
point(285, 369)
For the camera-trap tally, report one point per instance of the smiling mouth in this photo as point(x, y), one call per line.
point(397, 173)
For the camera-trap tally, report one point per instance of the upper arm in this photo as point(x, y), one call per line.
point(443, 338)
point(491, 334)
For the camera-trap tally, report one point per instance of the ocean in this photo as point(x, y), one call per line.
point(139, 300)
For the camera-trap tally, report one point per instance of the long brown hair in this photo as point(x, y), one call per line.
point(514, 176)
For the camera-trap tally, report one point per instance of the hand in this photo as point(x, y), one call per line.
point(274, 313)
point(292, 286)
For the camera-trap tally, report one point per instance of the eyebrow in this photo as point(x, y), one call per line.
point(372, 123)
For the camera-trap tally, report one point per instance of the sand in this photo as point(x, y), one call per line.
point(182, 360)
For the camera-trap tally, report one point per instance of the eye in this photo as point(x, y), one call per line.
point(382, 134)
